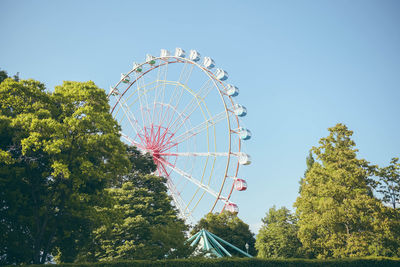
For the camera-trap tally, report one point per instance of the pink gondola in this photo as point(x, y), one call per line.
point(240, 185)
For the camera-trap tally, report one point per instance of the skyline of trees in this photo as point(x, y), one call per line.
point(337, 213)
point(76, 192)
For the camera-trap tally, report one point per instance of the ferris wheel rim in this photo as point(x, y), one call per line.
point(217, 84)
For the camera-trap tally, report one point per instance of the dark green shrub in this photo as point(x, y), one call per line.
point(242, 262)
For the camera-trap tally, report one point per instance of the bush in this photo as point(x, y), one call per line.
point(241, 262)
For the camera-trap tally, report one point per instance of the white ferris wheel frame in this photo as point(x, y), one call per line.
point(222, 88)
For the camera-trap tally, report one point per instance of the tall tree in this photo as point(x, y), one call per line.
point(338, 215)
point(277, 238)
point(139, 221)
point(309, 162)
point(389, 183)
point(3, 75)
point(229, 227)
point(57, 151)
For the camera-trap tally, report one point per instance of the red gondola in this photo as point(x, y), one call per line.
point(240, 185)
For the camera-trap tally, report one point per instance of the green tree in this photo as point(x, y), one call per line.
point(389, 182)
point(277, 238)
point(338, 215)
point(310, 162)
point(139, 221)
point(58, 151)
point(3, 75)
point(229, 227)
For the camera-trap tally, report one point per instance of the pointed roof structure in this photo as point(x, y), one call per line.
point(211, 243)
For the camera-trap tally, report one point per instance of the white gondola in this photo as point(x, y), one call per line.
point(239, 110)
point(232, 207)
point(240, 185)
point(125, 78)
point(232, 90)
point(179, 52)
point(164, 53)
point(208, 63)
point(194, 55)
point(221, 74)
point(137, 67)
point(244, 159)
point(150, 59)
point(244, 134)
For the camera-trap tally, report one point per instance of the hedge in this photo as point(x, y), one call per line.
point(242, 262)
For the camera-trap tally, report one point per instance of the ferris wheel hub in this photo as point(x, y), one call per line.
point(156, 141)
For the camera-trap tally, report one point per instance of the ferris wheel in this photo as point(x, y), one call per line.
point(181, 110)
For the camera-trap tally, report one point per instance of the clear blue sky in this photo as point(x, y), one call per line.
point(301, 66)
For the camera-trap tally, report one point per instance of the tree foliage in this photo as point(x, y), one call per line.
point(4, 75)
point(138, 221)
point(277, 238)
point(74, 190)
point(140, 224)
point(229, 227)
point(389, 183)
point(310, 162)
point(338, 214)
point(58, 151)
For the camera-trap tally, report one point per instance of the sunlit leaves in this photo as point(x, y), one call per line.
point(139, 209)
point(338, 214)
point(277, 238)
point(61, 149)
point(389, 183)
